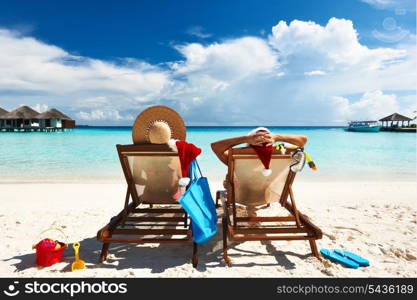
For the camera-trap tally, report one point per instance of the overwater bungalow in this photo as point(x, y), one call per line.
point(22, 117)
point(392, 123)
point(26, 119)
point(55, 119)
point(2, 113)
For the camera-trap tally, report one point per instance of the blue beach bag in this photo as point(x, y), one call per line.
point(199, 205)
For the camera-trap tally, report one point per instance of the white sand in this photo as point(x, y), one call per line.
point(376, 220)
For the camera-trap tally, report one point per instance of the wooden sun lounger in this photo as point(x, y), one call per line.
point(153, 216)
point(246, 185)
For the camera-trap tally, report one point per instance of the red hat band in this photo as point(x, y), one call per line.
point(187, 152)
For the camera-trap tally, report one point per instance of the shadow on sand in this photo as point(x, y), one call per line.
point(159, 257)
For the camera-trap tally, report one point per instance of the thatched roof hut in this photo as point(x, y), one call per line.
point(23, 112)
point(3, 112)
point(396, 117)
point(53, 114)
point(55, 118)
point(26, 119)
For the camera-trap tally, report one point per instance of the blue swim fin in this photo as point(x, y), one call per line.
point(333, 256)
point(363, 262)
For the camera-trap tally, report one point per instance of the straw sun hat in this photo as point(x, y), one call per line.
point(157, 125)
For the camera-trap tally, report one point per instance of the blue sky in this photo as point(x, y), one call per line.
point(283, 62)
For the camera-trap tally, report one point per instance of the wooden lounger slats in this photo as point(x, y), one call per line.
point(153, 224)
point(265, 219)
point(158, 210)
point(269, 238)
point(155, 219)
point(149, 241)
point(267, 230)
point(151, 231)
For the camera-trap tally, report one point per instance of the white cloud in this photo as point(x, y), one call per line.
point(373, 105)
point(247, 80)
point(380, 3)
point(287, 89)
point(410, 103)
point(32, 71)
point(102, 115)
point(314, 73)
point(333, 47)
point(388, 4)
point(27, 64)
point(198, 31)
point(230, 60)
point(40, 107)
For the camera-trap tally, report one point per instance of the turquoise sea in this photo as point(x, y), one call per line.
point(89, 154)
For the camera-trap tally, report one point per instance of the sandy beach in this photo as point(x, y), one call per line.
point(374, 219)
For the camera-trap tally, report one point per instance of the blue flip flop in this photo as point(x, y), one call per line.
point(334, 256)
point(363, 262)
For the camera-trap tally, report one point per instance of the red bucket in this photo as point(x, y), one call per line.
point(47, 253)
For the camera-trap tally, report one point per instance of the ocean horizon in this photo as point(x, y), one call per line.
point(88, 153)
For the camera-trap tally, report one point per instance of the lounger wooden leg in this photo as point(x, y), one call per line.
point(314, 250)
point(195, 255)
point(225, 256)
point(294, 208)
point(185, 220)
point(104, 252)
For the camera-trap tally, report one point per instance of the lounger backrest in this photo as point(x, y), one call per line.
point(251, 188)
point(152, 175)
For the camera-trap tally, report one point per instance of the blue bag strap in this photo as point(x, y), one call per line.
point(192, 171)
point(198, 166)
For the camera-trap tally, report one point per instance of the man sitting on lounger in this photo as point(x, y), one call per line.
point(257, 179)
point(257, 137)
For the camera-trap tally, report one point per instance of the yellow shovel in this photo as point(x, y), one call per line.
point(78, 263)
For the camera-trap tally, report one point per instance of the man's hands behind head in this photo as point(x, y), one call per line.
point(261, 138)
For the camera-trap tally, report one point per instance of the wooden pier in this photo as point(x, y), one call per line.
point(35, 129)
point(399, 129)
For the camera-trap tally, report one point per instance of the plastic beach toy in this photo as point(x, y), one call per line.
point(363, 262)
point(310, 162)
point(78, 263)
point(334, 256)
point(49, 252)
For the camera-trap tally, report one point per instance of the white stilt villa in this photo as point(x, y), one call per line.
point(26, 119)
